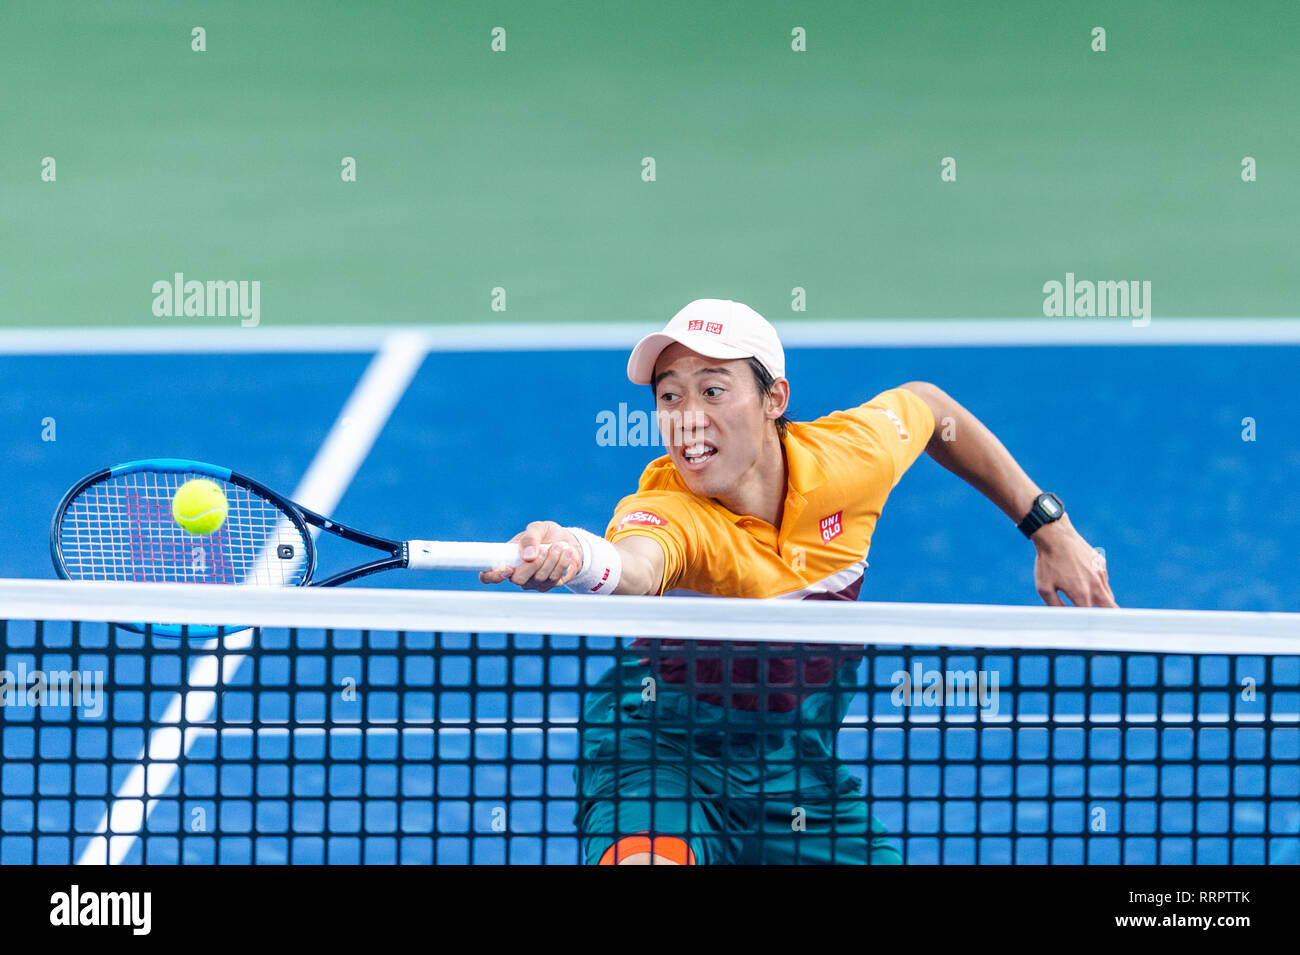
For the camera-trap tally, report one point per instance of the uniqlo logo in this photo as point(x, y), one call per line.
point(831, 527)
point(695, 325)
point(714, 327)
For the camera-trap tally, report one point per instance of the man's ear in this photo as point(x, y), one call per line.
point(778, 399)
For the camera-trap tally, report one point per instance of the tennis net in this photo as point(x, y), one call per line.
point(398, 726)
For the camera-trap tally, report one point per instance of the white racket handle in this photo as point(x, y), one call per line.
point(461, 555)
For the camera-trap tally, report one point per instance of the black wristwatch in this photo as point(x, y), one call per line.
point(1047, 508)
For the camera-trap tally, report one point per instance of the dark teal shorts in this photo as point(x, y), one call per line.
point(739, 787)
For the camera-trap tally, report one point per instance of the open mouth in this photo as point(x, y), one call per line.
point(696, 454)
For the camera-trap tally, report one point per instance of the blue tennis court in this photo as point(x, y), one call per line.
point(1174, 460)
point(1145, 445)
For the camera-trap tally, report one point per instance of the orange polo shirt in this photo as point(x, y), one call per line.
point(841, 468)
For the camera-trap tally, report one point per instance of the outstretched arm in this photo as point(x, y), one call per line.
point(1065, 561)
point(552, 557)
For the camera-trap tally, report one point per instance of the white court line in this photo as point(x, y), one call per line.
point(331, 471)
point(605, 336)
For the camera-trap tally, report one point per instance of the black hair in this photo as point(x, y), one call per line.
point(762, 378)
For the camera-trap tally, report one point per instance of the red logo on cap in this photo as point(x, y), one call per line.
point(831, 527)
point(714, 327)
point(695, 325)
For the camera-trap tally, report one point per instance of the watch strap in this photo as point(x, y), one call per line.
point(1047, 508)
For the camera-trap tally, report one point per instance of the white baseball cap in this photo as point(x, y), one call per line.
point(716, 328)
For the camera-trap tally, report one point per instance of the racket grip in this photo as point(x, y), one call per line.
point(461, 555)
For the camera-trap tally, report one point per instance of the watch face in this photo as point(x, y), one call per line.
point(1050, 505)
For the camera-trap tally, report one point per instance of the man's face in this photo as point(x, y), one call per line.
point(712, 418)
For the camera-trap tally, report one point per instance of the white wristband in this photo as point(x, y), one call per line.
point(601, 565)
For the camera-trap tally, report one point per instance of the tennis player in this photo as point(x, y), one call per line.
point(747, 503)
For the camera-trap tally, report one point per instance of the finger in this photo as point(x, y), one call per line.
point(564, 567)
point(551, 563)
point(1094, 596)
point(1051, 598)
point(549, 566)
point(563, 562)
point(539, 584)
point(1099, 592)
point(495, 575)
point(524, 572)
point(531, 539)
point(573, 568)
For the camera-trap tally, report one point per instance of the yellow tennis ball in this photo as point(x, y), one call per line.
point(200, 506)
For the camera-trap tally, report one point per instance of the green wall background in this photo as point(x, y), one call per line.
point(522, 169)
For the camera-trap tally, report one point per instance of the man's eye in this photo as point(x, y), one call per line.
point(712, 392)
point(667, 396)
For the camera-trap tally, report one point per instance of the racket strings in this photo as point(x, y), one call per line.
point(122, 528)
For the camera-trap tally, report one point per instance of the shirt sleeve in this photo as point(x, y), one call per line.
point(656, 515)
point(895, 425)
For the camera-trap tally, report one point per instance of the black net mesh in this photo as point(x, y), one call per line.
point(346, 746)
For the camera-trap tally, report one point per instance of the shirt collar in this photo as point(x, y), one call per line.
point(804, 470)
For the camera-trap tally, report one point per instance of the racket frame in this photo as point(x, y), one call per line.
point(397, 553)
point(290, 510)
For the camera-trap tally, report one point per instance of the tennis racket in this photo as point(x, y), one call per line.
point(117, 524)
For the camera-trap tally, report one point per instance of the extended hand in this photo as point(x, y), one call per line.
point(1067, 563)
point(551, 556)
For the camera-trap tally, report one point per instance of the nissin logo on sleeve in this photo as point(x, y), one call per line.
point(643, 518)
point(898, 424)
